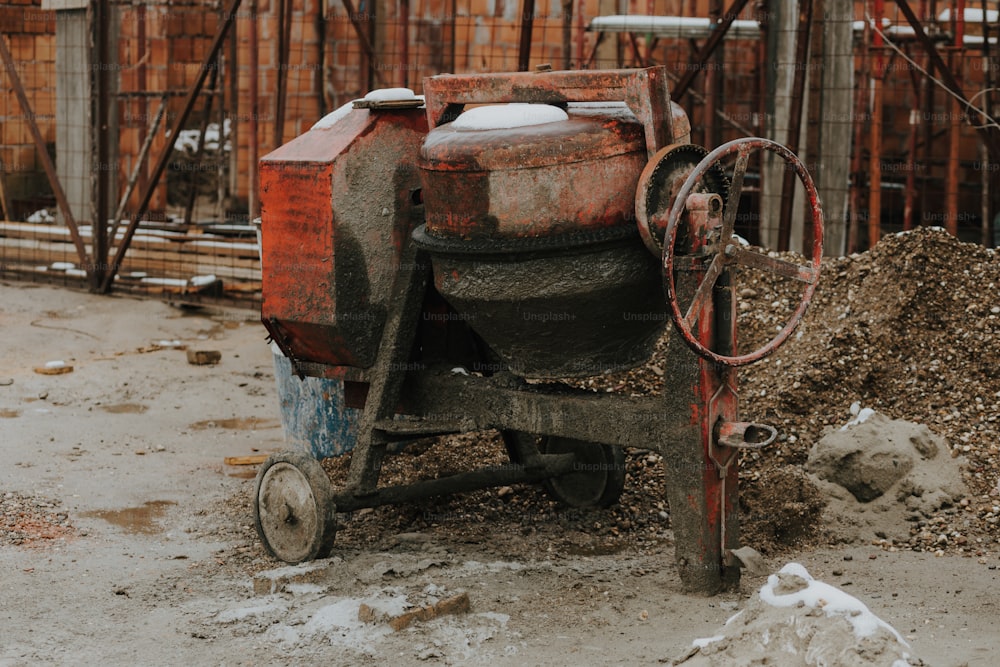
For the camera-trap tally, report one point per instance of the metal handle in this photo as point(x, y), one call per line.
point(644, 91)
point(745, 435)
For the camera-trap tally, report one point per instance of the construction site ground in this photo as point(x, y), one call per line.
point(126, 538)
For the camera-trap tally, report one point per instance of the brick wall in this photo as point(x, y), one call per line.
point(30, 36)
point(326, 65)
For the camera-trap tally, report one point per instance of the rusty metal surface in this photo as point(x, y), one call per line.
point(701, 485)
point(508, 211)
point(555, 178)
point(550, 292)
point(643, 90)
point(508, 403)
point(681, 125)
point(549, 466)
point(724, 252)
point(408, 290)
point(336, 205)
point(658, 186)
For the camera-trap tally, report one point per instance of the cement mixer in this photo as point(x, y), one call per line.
point(449, 262)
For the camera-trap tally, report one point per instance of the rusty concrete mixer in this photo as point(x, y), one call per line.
point(434, 262)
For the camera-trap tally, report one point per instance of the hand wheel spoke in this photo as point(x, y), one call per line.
point(756, 260)
point(729, 254)
point(703, 295)
point(735, 190)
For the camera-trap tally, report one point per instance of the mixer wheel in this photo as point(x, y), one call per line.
point(293, 509)
point(726, 253)
point(598, 478)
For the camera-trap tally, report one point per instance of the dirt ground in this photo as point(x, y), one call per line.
point(128, 540)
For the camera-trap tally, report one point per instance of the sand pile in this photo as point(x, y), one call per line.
point(882, 475)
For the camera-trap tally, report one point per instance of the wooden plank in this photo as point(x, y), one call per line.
point(251, 460)
point(234, 290)
point(153, 245)
point(205, 244)
point(168, 264)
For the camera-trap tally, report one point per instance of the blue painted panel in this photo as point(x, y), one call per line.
point(313, 413)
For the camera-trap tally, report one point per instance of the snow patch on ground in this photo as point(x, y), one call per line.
point(797, 620)
point(252, 611)
point(705, 641)
point(338, 624)
point(831, 600)
point(41, 215)
point(860, 416)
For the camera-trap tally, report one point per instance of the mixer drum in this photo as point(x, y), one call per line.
point(533, 240)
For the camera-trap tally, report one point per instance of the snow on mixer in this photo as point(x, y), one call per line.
point(441, 263)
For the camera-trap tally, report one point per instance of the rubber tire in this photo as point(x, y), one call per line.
point(600, 481)
point(293, 510)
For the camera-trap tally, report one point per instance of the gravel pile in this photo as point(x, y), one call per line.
point(912, 330)
point(31, 521)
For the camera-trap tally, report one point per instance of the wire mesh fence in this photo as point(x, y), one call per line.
point(859, 98)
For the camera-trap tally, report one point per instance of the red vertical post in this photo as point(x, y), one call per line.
point(762, 128)
point(404, 43)
point(910, 192)
point(713, 82)
point(140, 77)
point(581, 34)
point(955, 118)
point(703, 495)
point(875, 138)
point(527, 23)
point(254, 193)
point(928, 115)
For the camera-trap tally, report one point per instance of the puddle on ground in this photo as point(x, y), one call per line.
point(235, 424)
point(9, 413)
point(125, 408)
point(135, 519)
